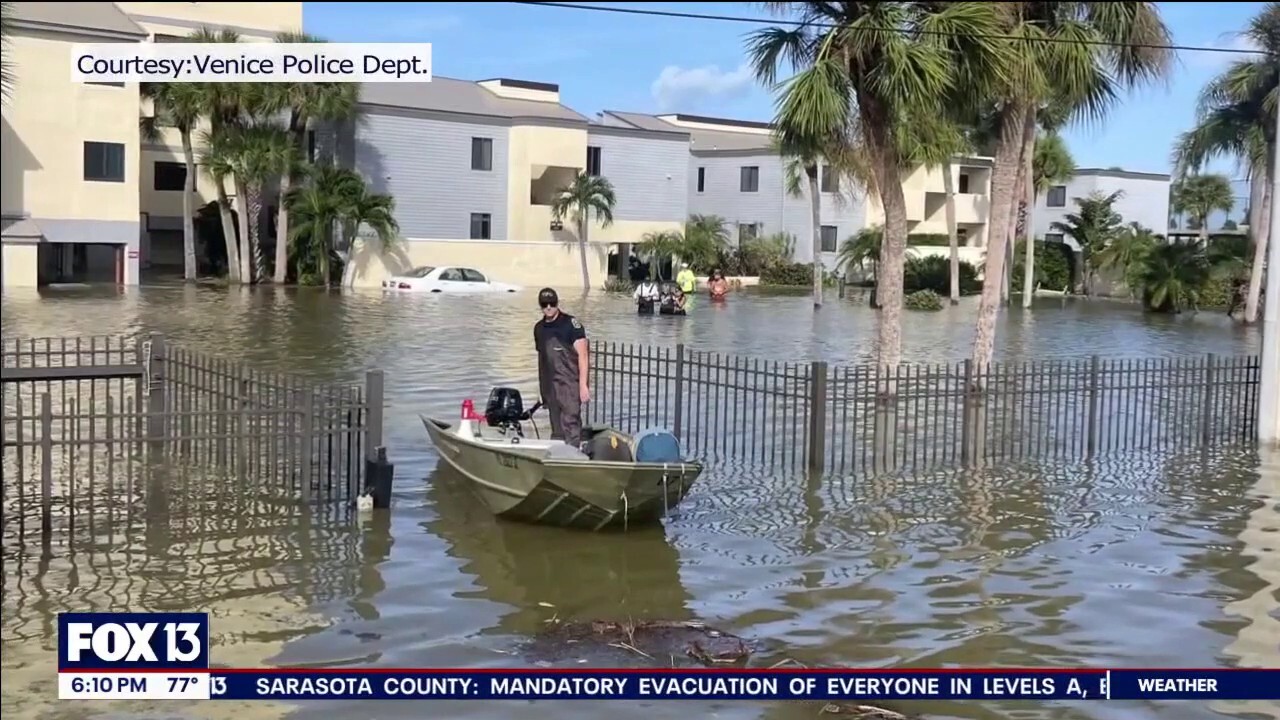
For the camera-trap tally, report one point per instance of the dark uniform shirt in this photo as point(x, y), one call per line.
point(557, 358)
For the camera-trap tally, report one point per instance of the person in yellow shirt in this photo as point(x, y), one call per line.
point(687, 282)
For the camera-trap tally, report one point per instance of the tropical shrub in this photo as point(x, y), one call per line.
point(923, 300)
point(754, 255)
point(618, 284)
point(1053, 265)
point(1217, 293)
point(1174, 275)
point(788, 275)
point(934, 273)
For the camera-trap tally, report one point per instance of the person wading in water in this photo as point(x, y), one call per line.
point(563, 362)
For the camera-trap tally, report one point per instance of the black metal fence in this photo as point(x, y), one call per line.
point(861, 419)
point(85, 415)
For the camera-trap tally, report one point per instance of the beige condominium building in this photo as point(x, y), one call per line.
point(82, 198)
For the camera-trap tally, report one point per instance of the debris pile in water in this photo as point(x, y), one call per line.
point(669, 643)
point(663, 641)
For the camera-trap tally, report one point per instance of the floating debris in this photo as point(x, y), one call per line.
point(861, 712)
point(646, 640)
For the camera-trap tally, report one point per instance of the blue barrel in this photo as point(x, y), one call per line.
point(657, 445)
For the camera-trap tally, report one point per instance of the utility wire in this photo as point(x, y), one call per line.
point(799, 23)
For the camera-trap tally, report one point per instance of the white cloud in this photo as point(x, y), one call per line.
point(677, 88)
point(1238, 44)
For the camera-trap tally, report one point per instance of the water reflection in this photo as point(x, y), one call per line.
point(546, 572)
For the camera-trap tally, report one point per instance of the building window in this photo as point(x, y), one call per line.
point(104, 162)
point(964, 183)
point(311, 146)
point(828, 238)
point(170, 176)
point(750, 179)
point(1053, 237)
point(702, 179)
point(748, 231)
point(481, 153)
point(830, 180)
point(481, 226)
point(1057, 196)
point(593, 161)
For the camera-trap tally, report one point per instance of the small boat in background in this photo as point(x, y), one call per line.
point(615, 481)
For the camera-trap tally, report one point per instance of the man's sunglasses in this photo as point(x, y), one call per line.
point(544, 304)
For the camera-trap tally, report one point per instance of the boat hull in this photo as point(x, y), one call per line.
point(517, 483)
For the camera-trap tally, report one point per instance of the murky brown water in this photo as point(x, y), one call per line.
point(1142, 560)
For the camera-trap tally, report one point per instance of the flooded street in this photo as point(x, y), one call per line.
point(1140, 560)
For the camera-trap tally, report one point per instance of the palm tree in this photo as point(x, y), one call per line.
point(1078, 55)
point(656, 246)
point(221, 106)
point(587, 194)
point(1051, 164)
point(216, 158)
point(1174, 275)
point(706, 237)
point(6, 62)
point(1199, 196)
point(1236, 118)
point(329, 196)
point(932, 141)
point(259, 153)
point(863, 71)
point(307, 103)
point(179, 106)
point(1128, 252)
point(1093, 226)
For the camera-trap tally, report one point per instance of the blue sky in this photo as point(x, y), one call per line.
point(650, 64)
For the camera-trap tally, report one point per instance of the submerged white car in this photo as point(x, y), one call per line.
point(446, 280)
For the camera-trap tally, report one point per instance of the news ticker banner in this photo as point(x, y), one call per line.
point(164, 656)
point(251, 62)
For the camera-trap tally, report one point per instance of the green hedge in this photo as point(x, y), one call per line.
point(1216, 294)
point(1054, 265)
point(929, 240)
point(934, 273)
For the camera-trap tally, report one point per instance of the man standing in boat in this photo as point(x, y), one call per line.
point(561, 342)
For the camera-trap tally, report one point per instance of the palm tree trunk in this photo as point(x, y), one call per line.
point(1204, 230)
point(815, 209)
point(246, 240)
point(893, 249)
point(582, 252)
point(1016, 217)
point(188, 210)
point(1028, 224)
point(282, 232)
point(229, 233)
point(1016, 122)
point(1261, 237)
point(255, 228)
point(953, 233)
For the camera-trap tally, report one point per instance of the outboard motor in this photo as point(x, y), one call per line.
point(505, 407)
point(657, 445)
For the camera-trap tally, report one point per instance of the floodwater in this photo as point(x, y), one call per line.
point(1135, 560)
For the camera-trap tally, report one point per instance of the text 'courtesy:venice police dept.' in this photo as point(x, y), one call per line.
point(251, 62)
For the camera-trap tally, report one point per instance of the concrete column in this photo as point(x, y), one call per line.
point(1269, 395)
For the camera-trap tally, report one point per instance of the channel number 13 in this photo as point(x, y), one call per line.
point(217, 685)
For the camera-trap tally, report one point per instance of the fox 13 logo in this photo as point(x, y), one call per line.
point(133, 641)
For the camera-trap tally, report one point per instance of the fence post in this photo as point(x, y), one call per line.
point(679, 421)
point(46, 465)
point(155, 387)
point(308, 424)
point(1095, 376)
point(817, 415)
point(373, 383)
point(1206, 424)
point(966, 412)
point(378, 472)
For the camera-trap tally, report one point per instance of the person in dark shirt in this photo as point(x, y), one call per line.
point(561, 342)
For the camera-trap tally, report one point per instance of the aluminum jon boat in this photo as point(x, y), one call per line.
point(614, 482)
